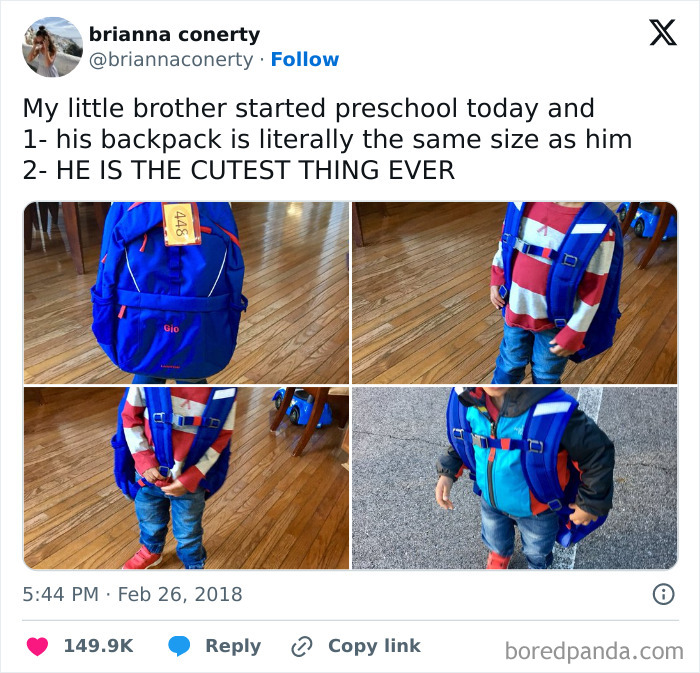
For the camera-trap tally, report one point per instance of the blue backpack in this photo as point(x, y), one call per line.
point(161, 420)
point(534, 455)
point(587, 231)
point(168, 311)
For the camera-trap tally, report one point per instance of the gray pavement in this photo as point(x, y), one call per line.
point(398, 432)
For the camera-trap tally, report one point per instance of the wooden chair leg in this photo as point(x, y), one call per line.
point(53, 211)
point(286, 401)
point(631, 212)
point(29, 217)
point(661, 227)
point(44, 216)
point(70, 216)
point(101, 208)
point(343, 417)
point(357, 237)
point(319, 403)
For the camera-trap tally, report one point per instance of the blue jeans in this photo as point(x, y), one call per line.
point(153, 512)
point(142, 379)
point(520, 346)
point(538, 534)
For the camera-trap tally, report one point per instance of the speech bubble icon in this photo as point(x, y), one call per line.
point(179, 644)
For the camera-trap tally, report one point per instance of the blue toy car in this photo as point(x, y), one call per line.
point(299, 410)
point(646, 219)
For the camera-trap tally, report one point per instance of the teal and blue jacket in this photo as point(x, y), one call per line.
point(499, 474)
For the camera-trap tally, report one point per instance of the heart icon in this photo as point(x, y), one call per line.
point(37, 646)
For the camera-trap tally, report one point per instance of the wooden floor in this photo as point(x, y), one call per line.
point(273, 511)
point(421, 309)
point(296, 327)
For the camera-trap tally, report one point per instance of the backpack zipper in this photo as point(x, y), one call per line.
point(223, 262)
point(492, 455)
point(489, 469)
point(131, 273)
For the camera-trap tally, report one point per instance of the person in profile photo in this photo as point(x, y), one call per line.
point(44, 51)
point(52, 46)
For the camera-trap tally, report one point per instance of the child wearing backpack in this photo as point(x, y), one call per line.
point(524, 448)
point(180, 454)
point(549, 276)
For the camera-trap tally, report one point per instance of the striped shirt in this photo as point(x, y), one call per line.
point(545, 225)
point(186, 402)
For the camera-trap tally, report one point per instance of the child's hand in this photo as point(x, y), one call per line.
point(442, 492)
point(176, 489)
point(558, 350)
point(496, 298)
point(152, 475)
point(579, 517)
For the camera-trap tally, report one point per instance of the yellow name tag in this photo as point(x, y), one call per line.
point(181, 224)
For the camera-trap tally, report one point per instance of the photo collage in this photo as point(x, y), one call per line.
point(332, 385)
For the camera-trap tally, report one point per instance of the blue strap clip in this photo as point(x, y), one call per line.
point(535, 445)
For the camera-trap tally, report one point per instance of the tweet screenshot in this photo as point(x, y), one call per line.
point(362, 366)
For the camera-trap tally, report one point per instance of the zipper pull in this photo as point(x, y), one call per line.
point(493, 429)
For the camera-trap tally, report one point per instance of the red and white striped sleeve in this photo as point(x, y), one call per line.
point(497, 275)
point(192, 476)
point(590, 292)
point(134, 422)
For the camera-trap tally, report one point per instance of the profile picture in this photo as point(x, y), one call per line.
point(52, 47)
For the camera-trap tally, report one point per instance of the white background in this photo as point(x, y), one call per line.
point(529, 51)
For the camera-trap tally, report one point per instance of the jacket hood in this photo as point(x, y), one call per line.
point(516, 401)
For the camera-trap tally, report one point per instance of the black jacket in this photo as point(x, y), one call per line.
point(586, 444)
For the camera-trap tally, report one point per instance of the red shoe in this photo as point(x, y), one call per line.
point(142, 560)
point(497, 562)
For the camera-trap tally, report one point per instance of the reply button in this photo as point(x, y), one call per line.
point(234, 647)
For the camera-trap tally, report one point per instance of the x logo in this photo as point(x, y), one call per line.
point(662, 32)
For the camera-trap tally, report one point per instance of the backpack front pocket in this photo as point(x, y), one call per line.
point(176, 337)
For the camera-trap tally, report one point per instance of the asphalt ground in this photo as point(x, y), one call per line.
point(398, 433)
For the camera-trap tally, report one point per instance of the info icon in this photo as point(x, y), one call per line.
point(663, 594)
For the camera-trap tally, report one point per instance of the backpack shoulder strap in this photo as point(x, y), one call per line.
point(459, 433)
point(544, 429)
point(160, 418)
point(221, 215)
point(217, 410)
point(509, 237)
point(587, 231)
